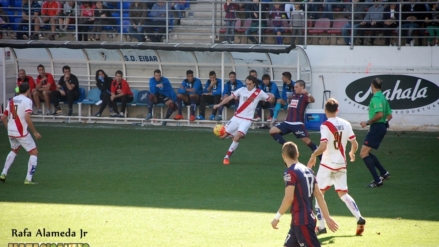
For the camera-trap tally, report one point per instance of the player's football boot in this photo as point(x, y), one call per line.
point(212, 117)
point(226, 161)
point(178, 117)
point(3, 178)
point(219, 118)
point(373, 184)
point(257, 119)
point(200, 117)
point(164, 123)
point(192, 118)
point(148, 117)
point(320, 231)
point(58, 112)
point(269, 119)
point(360, 226)
point(27, 182)
point(385, 176)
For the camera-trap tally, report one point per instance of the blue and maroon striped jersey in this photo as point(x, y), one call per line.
point(303, 180)
point(297, 107)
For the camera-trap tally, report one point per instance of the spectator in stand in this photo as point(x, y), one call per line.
point(412, 15)
point(252, 11)
point(297, 24)
point(34, 18)
point(189, 92)
point(211, 95)
point(22, 77)
point(289, 8)
point(313, 9)
point(432, 21)
point(391, 19)
point(328, 7)
point(51, 12)
point(278, 15)
point(102, 18)
point(103, 82)
point(4, 19)
point(158, 21)
point(120, 92)
point(66, 90)
point(161, 92)
point(138, 18)
point(230, 19)
point(229, 87)
point(373, 21)
point(86, 20)
point(45, 84)
point(179, 6)
point(358, 15)
point(69, 13)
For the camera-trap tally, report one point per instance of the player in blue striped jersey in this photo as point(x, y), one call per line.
point(300, 188)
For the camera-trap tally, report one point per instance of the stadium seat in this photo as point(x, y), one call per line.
point(337, 25)
point(320, 28)
point(142, 98)
point(92, 98)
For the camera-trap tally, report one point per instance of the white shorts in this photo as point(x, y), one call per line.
point(26, 142)
point(327, 177)
point(236, 125)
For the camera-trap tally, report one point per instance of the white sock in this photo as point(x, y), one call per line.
point(350, 203)
point(31, 166)
point(232, 148)
point(9, 160)
point(320, 217)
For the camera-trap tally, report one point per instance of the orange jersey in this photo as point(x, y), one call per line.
point(120, 88)
point(51, 8)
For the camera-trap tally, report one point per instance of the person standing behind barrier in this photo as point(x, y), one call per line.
point(120, 92)
point(45, 84)
point(51, 12)
point(86, 20)
point(211, 95)
point(66, 90)
point(300, 188)
point(158, 21)
point(103, 82)
point(252, 11)
point(17, 119)
point(34, 17)
point(297, 24)
point(391, 19)
point(432, 22)
point(359, 14)
point(379, 116)
point(161, 91)
point(230, 20)
point(138, 18)
point(102, 18)
point(277, 15)
point(412, 15)
point(335, 134)
point(372, 21)
point(189, 92)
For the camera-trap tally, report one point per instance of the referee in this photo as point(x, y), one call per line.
point(379, 116)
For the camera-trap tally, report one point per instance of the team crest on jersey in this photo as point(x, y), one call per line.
point(287, 178)
point(294, 103)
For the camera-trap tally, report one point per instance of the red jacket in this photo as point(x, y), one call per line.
point(120, 88)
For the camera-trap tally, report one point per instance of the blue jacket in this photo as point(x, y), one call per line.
point(195, 84)
point(216, 90)
point(271, 88)
point(287, 88)
point(158, 13)
point(229, 87)
point(166, 90)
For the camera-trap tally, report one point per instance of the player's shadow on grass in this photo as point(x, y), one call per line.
point(330, 239)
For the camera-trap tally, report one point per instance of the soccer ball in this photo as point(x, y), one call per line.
point(219, 130)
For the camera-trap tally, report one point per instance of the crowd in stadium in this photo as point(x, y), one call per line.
point(151, 20)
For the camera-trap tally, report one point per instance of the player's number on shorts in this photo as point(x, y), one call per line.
point(337, 139)
point(309, 182)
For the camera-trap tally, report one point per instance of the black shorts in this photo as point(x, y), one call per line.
point(161, 98)
point(298, 130)
point(375, 135)
point(302, 235)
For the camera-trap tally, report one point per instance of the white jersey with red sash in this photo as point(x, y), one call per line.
point(16, 111)
point(336, 132)
point(248, 100)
